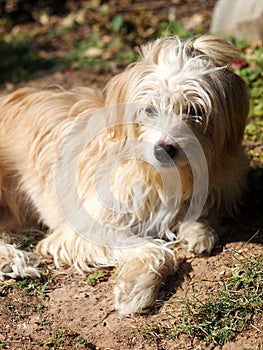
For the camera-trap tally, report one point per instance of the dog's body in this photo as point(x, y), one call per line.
point(112, 174)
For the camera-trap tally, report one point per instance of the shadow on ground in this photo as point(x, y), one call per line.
point(21, 61)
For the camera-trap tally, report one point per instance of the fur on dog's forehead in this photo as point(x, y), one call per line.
point(170, 73)
point(172, 56)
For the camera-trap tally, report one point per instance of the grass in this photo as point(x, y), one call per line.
point(35, 287)
point(99, 276)
point(220, 317)
point(94, 278)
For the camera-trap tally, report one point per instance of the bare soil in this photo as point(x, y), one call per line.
point(71, 314)
point(72, 309)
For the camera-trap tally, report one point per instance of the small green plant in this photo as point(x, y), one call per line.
point(59, 337)
point(56, 342)
point(81, 340)
point(35, 287)
point(117, 23)
point(95, 277)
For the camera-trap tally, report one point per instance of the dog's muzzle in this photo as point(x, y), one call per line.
point(165, 153)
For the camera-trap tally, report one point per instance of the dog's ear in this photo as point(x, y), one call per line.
point(219, 50)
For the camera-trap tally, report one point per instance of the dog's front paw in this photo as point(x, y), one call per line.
point(16, 263)
point(137, 295)
point(139, 279)
point(199, 239)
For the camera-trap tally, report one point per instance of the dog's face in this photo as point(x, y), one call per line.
point(180, 85)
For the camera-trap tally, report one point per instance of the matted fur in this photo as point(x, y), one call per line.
point(83, 163)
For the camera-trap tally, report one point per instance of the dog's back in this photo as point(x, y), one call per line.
point(31, 122)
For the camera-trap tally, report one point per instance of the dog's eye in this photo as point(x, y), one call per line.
point(195, 111)
point(151, 111)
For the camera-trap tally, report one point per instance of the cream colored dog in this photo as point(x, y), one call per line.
point(117, 174)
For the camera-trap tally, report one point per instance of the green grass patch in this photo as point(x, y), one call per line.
point(33, 287)
point(96, 277)
point(220, 317)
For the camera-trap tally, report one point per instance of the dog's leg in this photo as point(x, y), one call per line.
point(16, 263)
point(140, 269)
point(200, 238)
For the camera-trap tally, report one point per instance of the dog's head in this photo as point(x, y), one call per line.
point(184, 90)
point(174, 121)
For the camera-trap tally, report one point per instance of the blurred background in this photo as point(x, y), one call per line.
point(42, 37)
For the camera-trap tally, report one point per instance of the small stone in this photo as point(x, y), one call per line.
point(93, 52)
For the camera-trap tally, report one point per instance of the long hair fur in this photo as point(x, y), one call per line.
point(83, 163)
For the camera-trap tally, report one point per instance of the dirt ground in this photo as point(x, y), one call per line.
point(69, 313)
point(72, 310)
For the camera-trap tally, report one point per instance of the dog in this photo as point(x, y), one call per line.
point(121, 175)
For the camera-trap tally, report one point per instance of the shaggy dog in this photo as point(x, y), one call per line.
point(118, 175)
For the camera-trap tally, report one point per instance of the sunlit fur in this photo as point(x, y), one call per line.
point(82, 163)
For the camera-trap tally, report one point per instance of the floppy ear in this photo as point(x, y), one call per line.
point(219, 50)
point(229, 90)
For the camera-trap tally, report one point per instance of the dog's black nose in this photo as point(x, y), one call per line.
point(164, 152)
